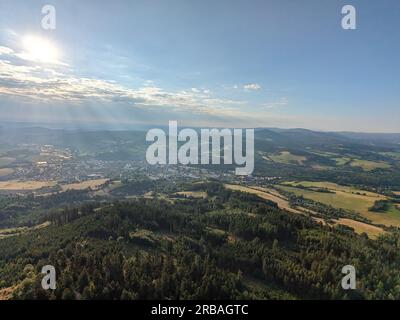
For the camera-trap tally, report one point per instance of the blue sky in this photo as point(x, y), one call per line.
point(204, 63)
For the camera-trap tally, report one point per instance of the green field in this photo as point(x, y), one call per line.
point(340, 199)
point(193, 194)
point(287, 158)
point(332, 186)
point(367, 165)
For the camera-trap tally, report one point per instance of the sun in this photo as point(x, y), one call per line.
point(40, 50)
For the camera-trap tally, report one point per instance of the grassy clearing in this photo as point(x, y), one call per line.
point(15, 185)
point(10, 232)
point(267, 194)
point(193, 194)
point(93, 184)
point(217, 231)
point(6, 293)
point(270, 194)
point(360, 227)
point(321, 167)
point(388, 218)
point(339, 199)
point(348, 198)
point(333, 187)
point(325, 154)
point(367, 165)
point(103, 192)
point(341, 161)
point(287, 158)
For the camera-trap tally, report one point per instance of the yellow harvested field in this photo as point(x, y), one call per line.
point(16, 185)
point(6, 171)
point(93, 184)
point(359, 227)
point(345, 197)
point(349, 199)
point(264, 193)
point(332, 186)
point(270, 194)
point(321, 167)
point(6, 293)
point(149, 195)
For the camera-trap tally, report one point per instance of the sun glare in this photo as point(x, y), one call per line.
point(41, 50)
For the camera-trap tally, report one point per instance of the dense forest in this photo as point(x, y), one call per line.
point(230, 245)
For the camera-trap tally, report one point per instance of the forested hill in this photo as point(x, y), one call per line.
point(229, 245)
point(275, 137)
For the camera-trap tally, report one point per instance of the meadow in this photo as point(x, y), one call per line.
point(367, 165)
point(270, 194)
point(93, 184)
point(287, 158)
point(345, 197)
point(264, 193)
point(192, 194)
point(360, 227)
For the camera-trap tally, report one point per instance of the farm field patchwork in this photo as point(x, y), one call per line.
point(361, 227)
point(93, 184)
point(270, 194)
point(10, 232)
point(16, 185)
point(287, 158)
point(264, 193)
point(193, 194)
point(367, 165)
point(345, 197)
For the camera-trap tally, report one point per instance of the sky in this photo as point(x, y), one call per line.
point(224, 63)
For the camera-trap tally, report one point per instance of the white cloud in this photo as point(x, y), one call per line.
point(35, 82)
point(252, 86)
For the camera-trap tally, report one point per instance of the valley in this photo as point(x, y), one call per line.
point(89, 203)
